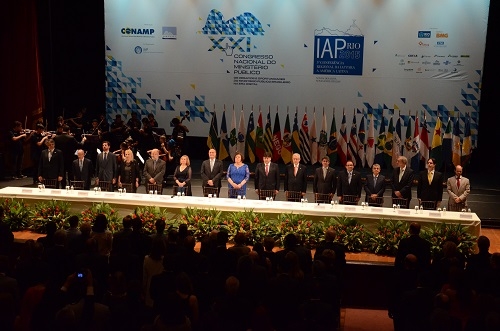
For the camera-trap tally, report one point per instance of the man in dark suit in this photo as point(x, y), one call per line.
point(402, 179)
point(374, 185)
point(211, 172)
point(51, 165)
point(83, 169)
point(430, 184)
point(295, 178)
point(154, 168)
point(325, 179)
point(267, 176)
point(106, 167)
point(68, 144)
point(416, 245)
point(349, 183)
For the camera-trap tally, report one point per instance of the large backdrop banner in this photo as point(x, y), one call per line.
point(375, 63)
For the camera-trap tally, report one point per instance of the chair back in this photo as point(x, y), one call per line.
point(106, 186)
point(350, 199)
point(214, 191)
point(400, 201)
point(77, 184)
point(263, 194)
point(428, 205)
point(322, 198)
point(294, 196)
point(50, 183)
point(377, 202)
point(233, 193)
point(154, 187)
point(184, 189)
point(457, 206)
point(127, 187)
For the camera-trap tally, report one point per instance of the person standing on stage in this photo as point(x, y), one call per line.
point(51, 165)
point(430, 184)
point(374, 185)
point(67, 143)
point(325, 179)
point(182, 176)
point(211, 172)
point(18, 136)
point(237, 177)
point(129, 171)
point(83, 169)
point(267, 176)
point(349, 183)
point(37, 142)
point(402, 179)
point(106, 166)
point(154, 168)
point(295, 178)
point(458, 188)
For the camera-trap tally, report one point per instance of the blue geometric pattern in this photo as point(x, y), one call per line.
point(244, 24)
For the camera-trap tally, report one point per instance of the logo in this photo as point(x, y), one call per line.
point(169, 32)
point(421, 44)
point(446, 62)
point(400, 55)
point(412, 55)
point(440, 44)
point(287, 139)
point(426, 62)
point(424, 34)
point(441, 35)
point(449, 55)
point(436, 63)
point(138, 49)
point(465, 55)
point(137, 32)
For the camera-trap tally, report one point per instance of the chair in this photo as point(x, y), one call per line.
point(106, 185)
point(233, 193)
point(263, 194)
point(77, 184)
point(50, 183)
point(403, 203)
point(322, 198)
point(378, 202)
point(457, 206)
point(154, 187)
point(350, 199)
point(428, 205)
point(180, 189)
point(210, 190)
point(127, 187)
point(293, 196)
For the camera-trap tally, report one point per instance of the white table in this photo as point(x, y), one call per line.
point(126, 203)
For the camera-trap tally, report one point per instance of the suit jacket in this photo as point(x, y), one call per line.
point(432, 191)
point(325, 185)
point(416, 245)
point(453, 191)
point(296, 183)
point(154, 172)
point(377, 189)
point(85, 174)
point(53, 168)
point(403, 186)
point(215, 175)
point(269, 182)
point(343, 186)
point(106, 170)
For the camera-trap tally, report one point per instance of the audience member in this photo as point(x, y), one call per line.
point(416, 245)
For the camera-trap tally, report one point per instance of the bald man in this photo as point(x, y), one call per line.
point(154, 169)
point(211, 172)
point(82, 169)
point(458, 188)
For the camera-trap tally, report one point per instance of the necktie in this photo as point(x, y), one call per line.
point(429, 177)
point(349, 177)
point(324, 173)
point(211, 165)
point(50, 155)
point(81, 165)
point(295, 169)
point(458, 182)
point(374, 181)
point(401, 172)
point(267, 169)
point(154, 165)
point(105, 156)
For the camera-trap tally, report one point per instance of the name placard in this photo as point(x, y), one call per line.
point(55, 192)
point(404, 211)
point(27, 190)
point(434, 214)
point(321, 206)
point(376, 210)
point(109, 195)
point(83, 194)
point(467, 216)
point(138, 196)
point(349, 208)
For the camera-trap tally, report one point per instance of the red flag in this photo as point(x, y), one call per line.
point(277, 138)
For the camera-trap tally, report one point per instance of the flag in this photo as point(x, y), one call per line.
point(224, 142)
point(240, 146)
point(415, 160)
point(342, 142)
point(313, 141)
point(286, 148)
point(322, 149)
point(259, 139)
point(389, 143)
point(379, 154)
point(437, 145)
point(277, 148)
point(295, 135)
point(268, 134)
point(396, 142)
point(233, 139)
point(456, 152)
point(213, 137)
point(424, 141)
point(447, 144)
point(250, 139)
point(361, 141)
point(332, 142)
point(467, 143)
point(370, 143)
point(305, 147)
point(352, 145)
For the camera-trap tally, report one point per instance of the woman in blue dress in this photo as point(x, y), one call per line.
point(237, 177)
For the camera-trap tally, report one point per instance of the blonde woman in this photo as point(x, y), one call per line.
point(182, 176)
point(129, 171)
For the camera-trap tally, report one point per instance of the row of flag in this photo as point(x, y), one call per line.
point(361, 147)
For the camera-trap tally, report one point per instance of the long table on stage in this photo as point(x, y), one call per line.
point(126, 203)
